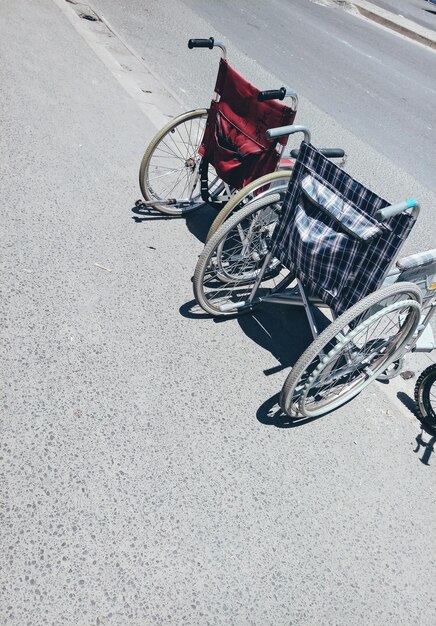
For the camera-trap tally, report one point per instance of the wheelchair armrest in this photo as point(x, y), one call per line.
point(281, 131)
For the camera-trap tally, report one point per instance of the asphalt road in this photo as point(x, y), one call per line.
point(377, 85)
point(147, 477)
point(422, 12)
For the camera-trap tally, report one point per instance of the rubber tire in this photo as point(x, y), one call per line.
point(334, 329)
point(239, 197)
point(426, 412)
point(167, 209)
point(210, 247)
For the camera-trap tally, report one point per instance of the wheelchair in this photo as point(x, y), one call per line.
point(205, 156)
point(328, 243)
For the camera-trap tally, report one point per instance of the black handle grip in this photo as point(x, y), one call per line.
point(331, 153)
point(272, 94)
point(201, 43)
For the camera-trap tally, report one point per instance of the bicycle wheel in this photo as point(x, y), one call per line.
point(233, 257)
point(353, 351)
point(425, 398)
point(264, 184)
point(169, 167)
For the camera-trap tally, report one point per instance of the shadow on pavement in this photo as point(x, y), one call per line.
point(192, 311)
point(428, 447)
point(143, 213)
point(408, 402)
point(282, 330)
point(198, 222)
point(270, 414)
point(279, 329)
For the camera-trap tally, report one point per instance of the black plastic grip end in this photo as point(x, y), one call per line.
point(330, 153)
point(201, 43)
point(272, 94)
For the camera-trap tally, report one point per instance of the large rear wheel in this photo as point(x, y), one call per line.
point(170, 166)
point(234, 256)
point(353, 351)
point(275, 181)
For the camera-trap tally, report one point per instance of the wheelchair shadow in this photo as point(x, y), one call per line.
point(428, 447)
point(270, 414)
point(279, 329)
point(408, 402)
point(282, 330)
point(192, 311)
point(198, 222)
point(142, 213)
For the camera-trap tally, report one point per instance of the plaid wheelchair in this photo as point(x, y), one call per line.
point(329, 244)
point(204, 156)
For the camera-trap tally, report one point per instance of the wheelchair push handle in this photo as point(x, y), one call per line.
point(279, 94)
point(381, 214)
point(201, 43)
point(208, 43)
point(396, 209)
point(272, 94)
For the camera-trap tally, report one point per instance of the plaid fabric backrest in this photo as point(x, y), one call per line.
point(328, 236)
point(234, 141)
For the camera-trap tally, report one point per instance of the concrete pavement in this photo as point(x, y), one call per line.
point(416, 25)
point(146, 478)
